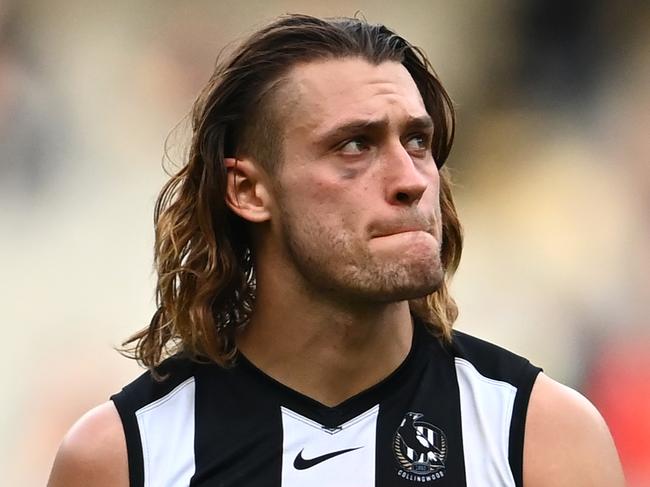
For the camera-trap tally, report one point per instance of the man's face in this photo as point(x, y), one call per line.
point(357, 193)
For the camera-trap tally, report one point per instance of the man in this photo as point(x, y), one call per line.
point(303, 256)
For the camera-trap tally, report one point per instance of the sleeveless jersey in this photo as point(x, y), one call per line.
point(451, 415)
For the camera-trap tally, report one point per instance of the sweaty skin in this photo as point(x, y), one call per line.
point(345, 233)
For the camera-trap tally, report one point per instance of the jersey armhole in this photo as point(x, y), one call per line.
point(524, 385)
point(133, 441)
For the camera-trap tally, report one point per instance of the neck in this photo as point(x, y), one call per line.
point(323, 349)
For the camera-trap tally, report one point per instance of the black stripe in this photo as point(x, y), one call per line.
point(238, 440)
point(432, 391)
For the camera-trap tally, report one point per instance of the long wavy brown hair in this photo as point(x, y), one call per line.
point(203, 257)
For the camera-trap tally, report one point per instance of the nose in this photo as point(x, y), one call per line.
point(406, 178)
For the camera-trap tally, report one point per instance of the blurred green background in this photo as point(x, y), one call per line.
point(552, 164)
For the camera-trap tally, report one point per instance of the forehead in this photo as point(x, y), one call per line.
point(330, 92)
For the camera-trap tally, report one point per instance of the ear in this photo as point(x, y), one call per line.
point(247, 194)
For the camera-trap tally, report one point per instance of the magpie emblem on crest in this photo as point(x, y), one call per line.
point(420, 448)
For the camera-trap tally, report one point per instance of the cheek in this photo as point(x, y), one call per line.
point(314, 206)
point(431, 197)
point(328, 194)
point(430, 204)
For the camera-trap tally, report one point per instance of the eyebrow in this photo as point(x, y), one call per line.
point(423, 122)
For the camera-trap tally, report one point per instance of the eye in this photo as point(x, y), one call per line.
point(354, 147)
point(417, 143)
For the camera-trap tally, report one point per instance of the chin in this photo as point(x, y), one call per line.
point(417, 290)
point(406, 283)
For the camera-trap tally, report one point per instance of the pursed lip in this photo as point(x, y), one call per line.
point(405, 230)
point(389, 230)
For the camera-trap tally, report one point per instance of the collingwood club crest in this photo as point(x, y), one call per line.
point(420, 449)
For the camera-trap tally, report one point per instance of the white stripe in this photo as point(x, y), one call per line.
point(486, 412)
point(354, 468)
point(167, 434)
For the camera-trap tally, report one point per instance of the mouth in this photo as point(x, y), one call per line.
point(397, 230)
point(413, 225)
point(402, 232)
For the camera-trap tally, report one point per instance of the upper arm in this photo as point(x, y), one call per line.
point(93, 453)
point(567, 442)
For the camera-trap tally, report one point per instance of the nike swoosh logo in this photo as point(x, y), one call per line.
point(301, 463)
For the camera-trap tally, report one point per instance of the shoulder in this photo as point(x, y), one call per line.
point(493, 361)
point(93, 453)
point(567, 442)
point(102, 445)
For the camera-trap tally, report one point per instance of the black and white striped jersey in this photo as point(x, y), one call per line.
point(450, 415)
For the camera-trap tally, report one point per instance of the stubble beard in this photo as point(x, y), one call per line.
point(336, 265)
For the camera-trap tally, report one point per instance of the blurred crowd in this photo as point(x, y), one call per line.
point(551, 162)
